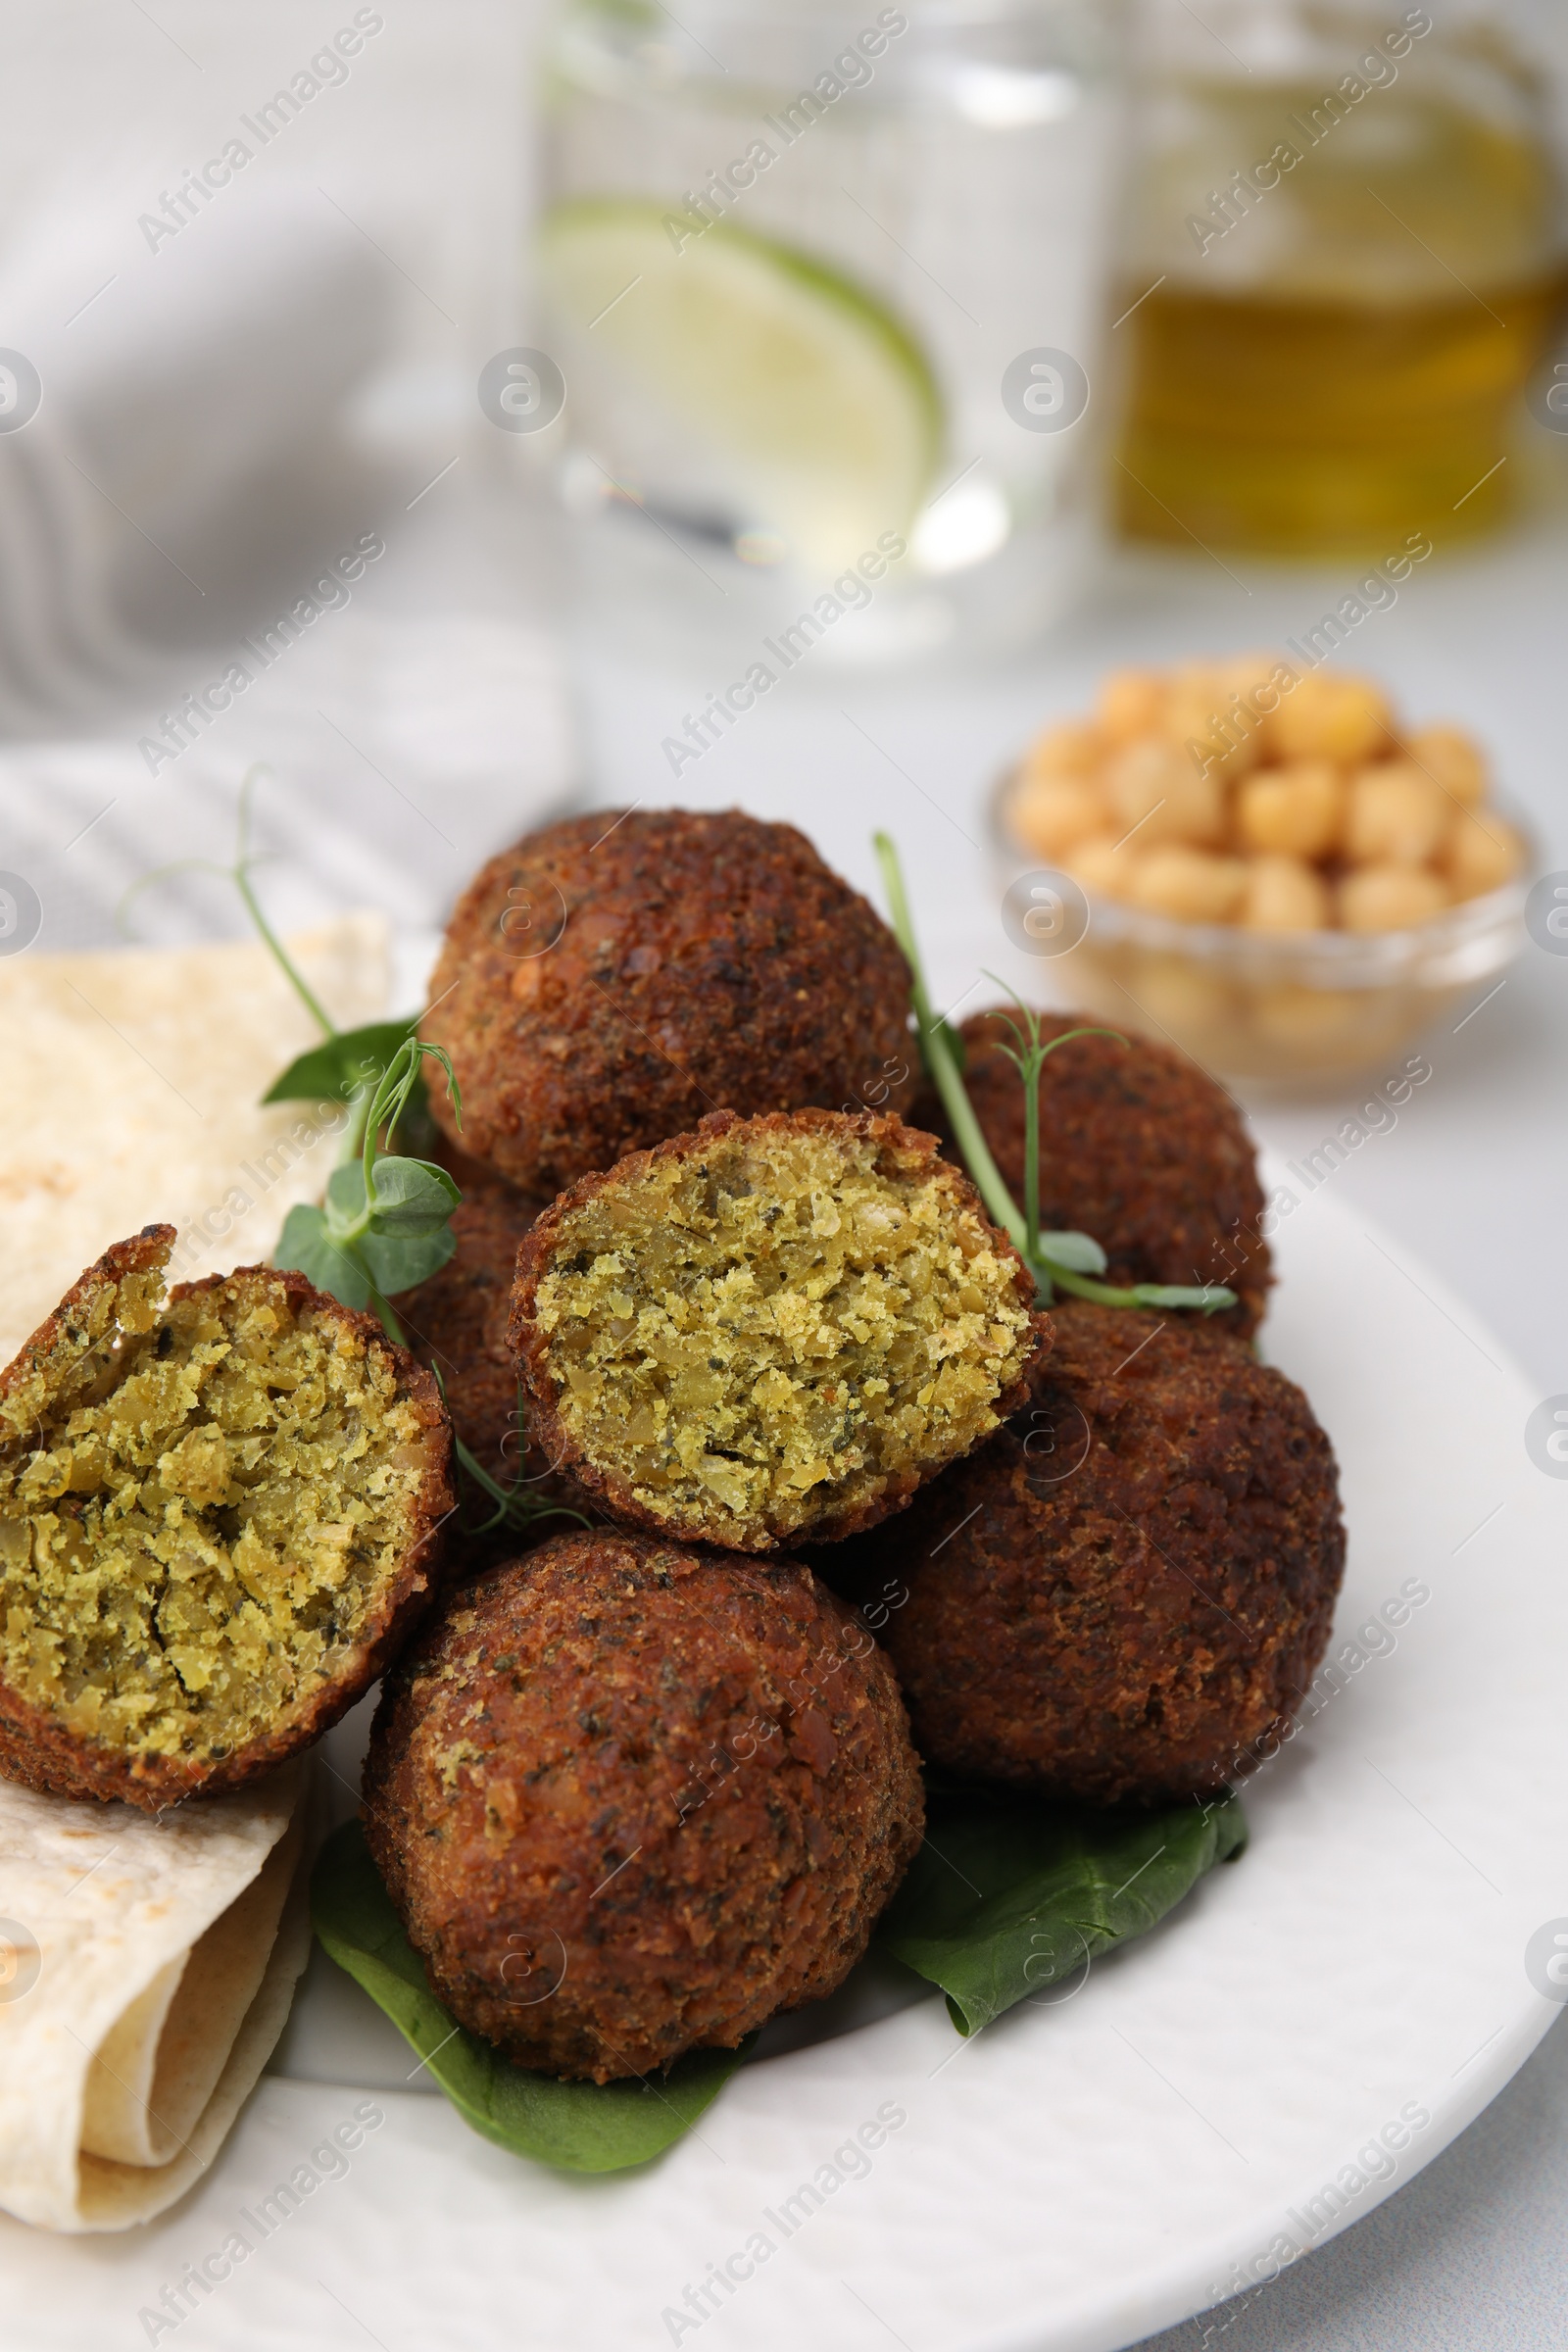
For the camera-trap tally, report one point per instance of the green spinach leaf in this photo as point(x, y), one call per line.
point(1007, 1896)
point(581, 2126)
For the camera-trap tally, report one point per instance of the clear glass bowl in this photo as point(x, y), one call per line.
point(1291, 1010)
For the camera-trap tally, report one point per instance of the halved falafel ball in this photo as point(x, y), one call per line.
point(1139, 1148)
point(607, 982)
point(771, 1328)
point(219, 1518)
point(630, 1800)
point(1133, 1582)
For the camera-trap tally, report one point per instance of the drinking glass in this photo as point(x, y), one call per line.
point(822, 294)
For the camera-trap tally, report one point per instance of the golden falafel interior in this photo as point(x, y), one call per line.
point(791, 1310)
point(200, 1502)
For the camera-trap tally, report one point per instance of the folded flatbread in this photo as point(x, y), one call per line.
point(146, 1968)
point(147, 1962)
point(133, 1085)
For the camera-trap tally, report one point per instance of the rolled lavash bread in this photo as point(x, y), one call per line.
point(147, 1963)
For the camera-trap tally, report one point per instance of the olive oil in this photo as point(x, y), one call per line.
point(1343, 322)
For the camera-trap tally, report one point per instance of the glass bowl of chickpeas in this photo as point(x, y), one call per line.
point(1277, 874)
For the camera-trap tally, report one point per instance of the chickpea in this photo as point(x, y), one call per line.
point(1397, 815)
point(1131, 702)
point(1050, 812)
point(1297, 810)
point(1284, 895)
point(1101, 864)
point(1390, 897)
point(1065, 751)
point(1247, 673)
point(1156, 788)
point(1189, 885)
point(1452, 759)
point(1481, 854)
point(1199, 711)
point(1327, 718)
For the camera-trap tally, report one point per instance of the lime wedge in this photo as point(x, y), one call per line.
point(814, 405)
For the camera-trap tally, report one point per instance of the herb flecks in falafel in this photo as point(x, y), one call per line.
point(631, 1798)
point(771, 1328)
point(1132, 1586)
point(217, 1517)
point(607, 981)
point(456, 1322)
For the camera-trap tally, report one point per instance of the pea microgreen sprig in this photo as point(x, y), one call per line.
point(384, 1224)
point(1059, 1261)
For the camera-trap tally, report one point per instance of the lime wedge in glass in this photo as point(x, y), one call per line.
point(815, 408)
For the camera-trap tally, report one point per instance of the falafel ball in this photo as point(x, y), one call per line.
point(1139, 1148)
point(607, 981)
point(455, 1321)
point(771, 1328)
point(631, 1799)
point(1133, 1582)
point(221, 1515)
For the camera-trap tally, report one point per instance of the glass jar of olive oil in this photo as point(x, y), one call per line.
point(1346, 254)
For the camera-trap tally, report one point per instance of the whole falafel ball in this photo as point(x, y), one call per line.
point(1139, 1148)
point(607, 982)
point(1129, 1585)
point(770, 1329)
point(454, 1322)
point(631, 1799)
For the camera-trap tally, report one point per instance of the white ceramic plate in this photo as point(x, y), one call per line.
point(1090, 2168)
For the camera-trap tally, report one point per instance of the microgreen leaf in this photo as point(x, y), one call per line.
point(345, 1209)
point(1208, 1299)
point(401, 1234)
point(306, 1247)
point(336, 1071)
point(398, 1262)
point(413, 1196)
point(1074, 1250)
point(1209, 1296)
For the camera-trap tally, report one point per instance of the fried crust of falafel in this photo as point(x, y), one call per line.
point(219, 1517)
point(1139, 1148)
point(604, 984)
point(631, 1799)
point(1131, 1586)
point(770, 1329)
point(456, 1323)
